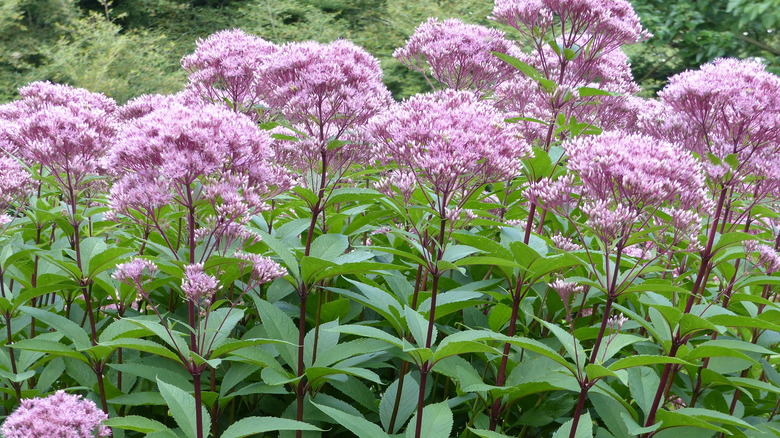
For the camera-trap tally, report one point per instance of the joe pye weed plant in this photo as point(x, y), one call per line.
point(529, 249)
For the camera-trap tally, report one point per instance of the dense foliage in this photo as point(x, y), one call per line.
point(528, 248)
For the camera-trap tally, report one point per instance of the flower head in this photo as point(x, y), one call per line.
point(132, 272)
point(197, 286)
point(457, 54)
point(450, 139)
point(14, 182)
point(609, 72)
point(767, 257)
point(58, 415)
point(67, 130)
point(616, 322)
point(174, 145)
point(327, 92)
point(226, 65)
point(263, 268)
point(627, 176)
point(726, 107)
point(609, 24)
point(636, 169)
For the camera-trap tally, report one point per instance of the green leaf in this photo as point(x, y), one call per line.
point(546, 265)
point(743, 321)
point(369, 332)
point(234, 344)
point(406, 404)
point(690, 323)
point(569, 343)
point(715, 416)
point(63, 325)
point(182, 407)
point(418, 327)
point(329, 246)
point(313, 268)
point(569, 54)
point(364, 268)
point(279, 326)
point(538, 347)
point(451, 301)
point(595, 371)
point(520, 65)
point(634, 428)
point(642, 384)
point(17, 378)
point(588, 91)
point(143, 345)
point(167, 433)
point(437, 422)
point(135, 423)
point(174, 375)
point(641, 360)
point(357, 425)
point(219, 325)
point(584, 428)
point(316, 373)
point(353, 194)
point(676, 419)
point(106, 260)
point(51, 347)
point(256, 425)
point(488, 433)
point(465, 342)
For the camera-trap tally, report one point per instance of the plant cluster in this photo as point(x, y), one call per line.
point(530, 249)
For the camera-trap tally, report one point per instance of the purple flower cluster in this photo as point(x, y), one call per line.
point(451, 140)
point(198, 286)
point(626, 176)
point(225, 66)
point(458, 55)
point(14, 183)
point(60, 415)
point(132, 272)
point(161, 154)
point(67, 130)
point(263, 268)
point(726, 107)
point(608, 24)
point(326, 91)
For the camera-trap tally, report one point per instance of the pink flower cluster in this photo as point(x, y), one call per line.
point(160, 155)
point(67, 130)
point(327, 92)
point(626, 176)
point(450, 139)
point(14, 184)
point(726, 107)
point(608, 24)
point(225, 66)
point(610, 72)
point(198, 286)
point(59, 415)
point(574, 44)
point(263, 268)
point(132, 272)
point(458, 55)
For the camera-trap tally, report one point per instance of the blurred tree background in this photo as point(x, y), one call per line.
point(125, 48)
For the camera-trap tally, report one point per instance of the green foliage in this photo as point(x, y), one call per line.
point(690, 33)
point(95, 54)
